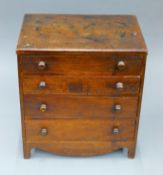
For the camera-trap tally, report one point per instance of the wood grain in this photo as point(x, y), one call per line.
point(80, 148)
point(80, 130)
point(82, 65)
point(96, 85)
point(49, 33)
point(80, 54)
point(79, 107)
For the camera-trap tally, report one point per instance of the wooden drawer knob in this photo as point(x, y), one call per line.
point(44, 131)
point(117, 107)
point(42, 84)
point(43, 107)
point(121, 65)
point(41, 65)
point(115, 130)
point(119, 85)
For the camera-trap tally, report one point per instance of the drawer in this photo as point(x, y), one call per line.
point(113, 86)
point(82, 65)
point(51, 106)
point(79, 130)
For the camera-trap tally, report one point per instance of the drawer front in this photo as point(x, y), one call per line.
point(113, 86)
point(82, 65)
point(77, 130)
point(51, 106)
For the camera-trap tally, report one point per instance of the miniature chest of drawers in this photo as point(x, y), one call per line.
point(81, 81)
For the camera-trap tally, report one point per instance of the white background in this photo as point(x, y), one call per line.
point(149, 157)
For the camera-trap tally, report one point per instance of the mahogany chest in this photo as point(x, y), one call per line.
point(81, 81)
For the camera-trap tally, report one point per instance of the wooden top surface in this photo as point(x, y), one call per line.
point(50, 33)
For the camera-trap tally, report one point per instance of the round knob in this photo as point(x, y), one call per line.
point(119, 85)
point(42, 84)
point(121, 65)
point(41, 65)
point(44, 131)
point(43, 107)
point(117, 107)
point(115, 130)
